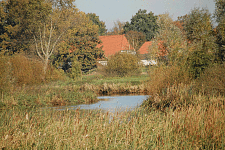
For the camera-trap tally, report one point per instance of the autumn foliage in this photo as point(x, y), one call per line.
point(123, 64)
point(21, 70)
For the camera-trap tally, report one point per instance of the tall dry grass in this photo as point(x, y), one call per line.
point(111, 88)
point(166, 76)
point(194, 127)
point(5, 74)
point(46, 95)
point(174, 97)
point(172, 87)
point(212, 81)
point(200, 126)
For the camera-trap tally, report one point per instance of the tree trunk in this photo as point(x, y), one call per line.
point(46, 48)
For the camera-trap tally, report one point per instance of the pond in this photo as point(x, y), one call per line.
point(112, 103)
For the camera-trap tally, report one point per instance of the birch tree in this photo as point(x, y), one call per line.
point(47, 44)
point(48, 36)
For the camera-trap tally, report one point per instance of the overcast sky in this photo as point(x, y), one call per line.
point(110, 11)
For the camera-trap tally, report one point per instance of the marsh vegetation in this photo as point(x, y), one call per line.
point(186, 106)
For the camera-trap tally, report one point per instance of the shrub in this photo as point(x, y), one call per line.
point(166, 76)
point(25, 70)
point(171, 86)
point(212, 81)
point(75, 71)
point(123, 64)
point(20, 70)
point(5, 72)
point(176, 96)
point(198, 60)
point(54, 74)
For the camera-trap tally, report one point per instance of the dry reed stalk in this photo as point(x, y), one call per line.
point(112, 88)
point(196, 126)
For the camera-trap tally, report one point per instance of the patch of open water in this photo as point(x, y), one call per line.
point(111, 103)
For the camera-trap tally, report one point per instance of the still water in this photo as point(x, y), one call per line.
point(112, 103)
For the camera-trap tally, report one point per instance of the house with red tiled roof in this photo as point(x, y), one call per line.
point(118, 43)
point(144, 48)
point(113, 44)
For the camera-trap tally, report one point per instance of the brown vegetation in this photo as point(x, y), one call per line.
point(111, 88)
point(20, 70)
point(212, 81)
point(172, 87)
point(166, 76)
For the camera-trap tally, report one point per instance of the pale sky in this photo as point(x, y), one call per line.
point(110, 11)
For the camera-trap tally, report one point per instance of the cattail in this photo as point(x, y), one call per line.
point(126, 133)
point(27, 117)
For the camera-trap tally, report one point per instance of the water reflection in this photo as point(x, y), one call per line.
point(112, 103)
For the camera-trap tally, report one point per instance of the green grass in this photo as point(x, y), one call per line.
point(68, 91)
point(100, 79)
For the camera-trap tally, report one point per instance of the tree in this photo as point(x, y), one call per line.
point(220, 29)
point(95, 19)
point(143, 22)
point(220, 10)
point(117, 28)
point(81, 42)
point(19, 19)
point(202, 44)
point(59, 22)
point(198, 25)
point(169, 45)
point(46, 44)
point(136, 39)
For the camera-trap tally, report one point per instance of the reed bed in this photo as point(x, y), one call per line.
point(45, 95)
point(112, 88)
point(199, 126)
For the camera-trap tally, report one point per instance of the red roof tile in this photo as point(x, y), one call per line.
point(144, 48)
point(113, 44)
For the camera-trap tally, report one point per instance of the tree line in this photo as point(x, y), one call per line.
point(56, 32)
point(53, 30)
point(192, 41)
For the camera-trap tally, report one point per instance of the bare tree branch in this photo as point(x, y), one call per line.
point(37, 49)
point(42, 48)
